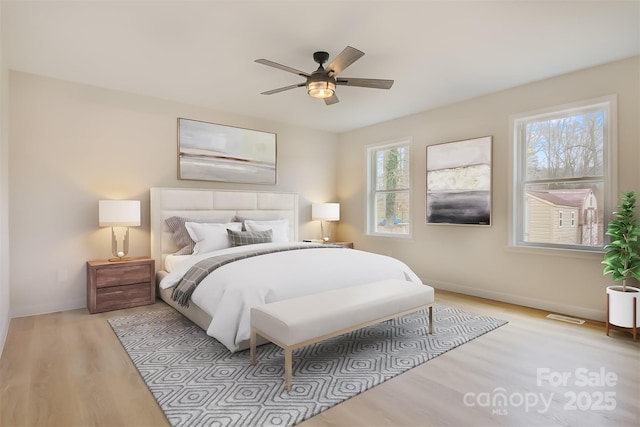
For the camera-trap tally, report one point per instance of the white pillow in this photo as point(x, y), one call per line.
point(172, 261)
point(210, 237)
point(279, 228)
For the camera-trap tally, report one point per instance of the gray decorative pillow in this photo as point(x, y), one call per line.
point(241, 238)
point(181, 235)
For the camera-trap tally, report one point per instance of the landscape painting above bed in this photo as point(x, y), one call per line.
point(213, 152)
point(459, 182)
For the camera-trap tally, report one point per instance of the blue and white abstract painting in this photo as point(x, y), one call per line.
point(459, 182)
point(213, 152)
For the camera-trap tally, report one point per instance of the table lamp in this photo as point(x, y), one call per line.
point(119, 213)
point(325, 212)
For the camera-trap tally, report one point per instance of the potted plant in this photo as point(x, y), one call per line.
point(622, 261)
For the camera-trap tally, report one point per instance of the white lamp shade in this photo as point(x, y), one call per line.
point(119, 213)
point(325, 211)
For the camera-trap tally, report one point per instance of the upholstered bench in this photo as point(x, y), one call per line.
point(297, 322)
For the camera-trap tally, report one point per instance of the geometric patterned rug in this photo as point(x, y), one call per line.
point(198, 382)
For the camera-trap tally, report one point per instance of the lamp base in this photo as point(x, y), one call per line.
point(120, 255)
point(325, 230)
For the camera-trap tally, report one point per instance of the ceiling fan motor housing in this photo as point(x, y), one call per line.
point(320, 75)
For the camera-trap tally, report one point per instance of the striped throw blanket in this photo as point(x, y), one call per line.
point(184, 289)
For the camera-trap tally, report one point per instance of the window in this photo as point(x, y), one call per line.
point(563, 163)
point(388, 195)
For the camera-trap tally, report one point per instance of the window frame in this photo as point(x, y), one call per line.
point(517, 168)
point(372, 192)
point(560, 218)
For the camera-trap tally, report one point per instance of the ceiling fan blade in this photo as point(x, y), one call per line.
point(331, 100)
point(281, 67)
point(372, 83)
point(347, 57)
point(282, 89)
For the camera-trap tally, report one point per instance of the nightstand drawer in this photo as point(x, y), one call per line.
point(117, 297)
point(121, 275)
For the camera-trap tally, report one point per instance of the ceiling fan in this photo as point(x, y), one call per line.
point(322, 82)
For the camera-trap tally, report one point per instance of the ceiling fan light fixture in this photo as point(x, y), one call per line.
point(321, 89)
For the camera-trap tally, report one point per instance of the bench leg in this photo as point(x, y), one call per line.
point(288, 361)
point(252, 346)
point(431, 320)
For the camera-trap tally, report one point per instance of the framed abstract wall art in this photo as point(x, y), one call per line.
point(459, 182)
point(213, 152)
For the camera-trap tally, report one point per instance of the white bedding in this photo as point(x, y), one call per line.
point(229, 292)
point(171, 261)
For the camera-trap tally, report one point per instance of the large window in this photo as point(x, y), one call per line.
point(389, 185)
point(562, 175)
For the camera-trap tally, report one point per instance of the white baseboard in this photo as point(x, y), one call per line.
point(550, 306)
point(52, 307)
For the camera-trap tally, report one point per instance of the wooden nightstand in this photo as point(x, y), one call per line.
point(345, 244)
point(121, 284)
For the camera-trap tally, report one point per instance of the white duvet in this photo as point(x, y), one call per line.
point(229, 292)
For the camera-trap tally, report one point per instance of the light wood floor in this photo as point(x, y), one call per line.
point(69, 369)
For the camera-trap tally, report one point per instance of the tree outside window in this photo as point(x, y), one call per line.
point(389, 185)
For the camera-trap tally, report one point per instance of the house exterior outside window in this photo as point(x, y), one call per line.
point(389, 189)
point(563, 168)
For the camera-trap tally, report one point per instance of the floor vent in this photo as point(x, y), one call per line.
point(565, 319)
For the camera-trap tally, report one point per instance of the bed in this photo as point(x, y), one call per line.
point(288, 268)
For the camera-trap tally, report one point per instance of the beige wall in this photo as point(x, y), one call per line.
point(4, 203)
point(478, 260)
point(71, 145)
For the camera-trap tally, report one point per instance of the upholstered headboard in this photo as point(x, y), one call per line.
point(209, 203)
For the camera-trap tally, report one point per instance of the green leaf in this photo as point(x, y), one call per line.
point(622, 253)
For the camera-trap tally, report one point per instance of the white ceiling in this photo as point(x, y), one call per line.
point(203, 52)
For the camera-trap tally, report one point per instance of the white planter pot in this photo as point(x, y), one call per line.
point(621, 306)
